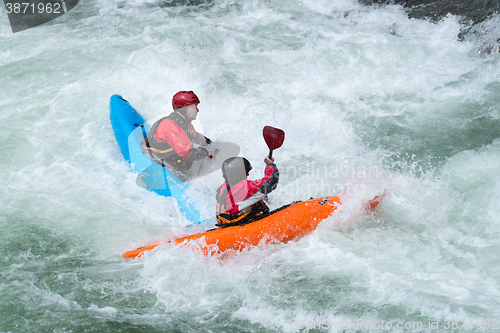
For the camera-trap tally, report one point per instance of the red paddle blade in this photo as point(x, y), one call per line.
point(274, 137)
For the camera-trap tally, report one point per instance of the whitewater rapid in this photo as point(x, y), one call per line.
point(369, 99)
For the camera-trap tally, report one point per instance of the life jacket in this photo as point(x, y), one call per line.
point(160, 151)
point(242, 203)
point(226, 219)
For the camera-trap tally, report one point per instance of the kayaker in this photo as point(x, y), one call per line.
point(171, 139)
point(240, 201)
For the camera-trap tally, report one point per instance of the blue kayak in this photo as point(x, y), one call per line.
point(130, 131)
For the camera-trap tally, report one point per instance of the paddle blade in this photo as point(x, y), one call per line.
point(274, 137)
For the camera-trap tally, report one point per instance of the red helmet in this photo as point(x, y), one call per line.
point(184, 98)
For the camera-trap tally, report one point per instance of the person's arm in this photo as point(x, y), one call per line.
point(202, 140)
point(197, 153)
point(274, 177)
point(247, 203)
point(260, 188)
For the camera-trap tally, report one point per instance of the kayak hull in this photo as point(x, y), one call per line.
point(130, 130)
point(290, 223)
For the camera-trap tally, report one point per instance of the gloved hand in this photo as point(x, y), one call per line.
point(196, 153)
point(202, 152)
point(208, 141)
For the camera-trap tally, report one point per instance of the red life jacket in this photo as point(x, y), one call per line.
point(244, 199)
point(171, 139)
point(173, 131)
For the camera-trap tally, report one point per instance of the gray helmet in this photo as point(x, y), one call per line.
point(235, 169)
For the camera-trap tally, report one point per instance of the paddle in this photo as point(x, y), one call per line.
point(202, 165)
point(274, 138)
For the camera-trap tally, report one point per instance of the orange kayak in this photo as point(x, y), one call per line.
point(292, 222)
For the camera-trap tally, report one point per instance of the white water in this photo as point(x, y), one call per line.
point(369, 100)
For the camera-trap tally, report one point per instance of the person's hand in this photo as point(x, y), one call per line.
point(211, 154)
point(268, 160)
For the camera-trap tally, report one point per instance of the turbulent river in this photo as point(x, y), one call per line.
point(371, 96)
